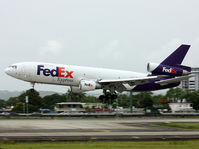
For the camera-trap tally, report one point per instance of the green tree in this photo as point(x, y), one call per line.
point(193, 97)
point(90, 99)
point(156, 99)
point(2, 103)
point(175, 93)
point(144, 99)
point(35, 101)
point(140, 100)
point(50, 101)
point(76, 97)
point(123, 100)
point(12, 101)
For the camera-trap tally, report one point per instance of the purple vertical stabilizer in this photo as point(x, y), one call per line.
point(172, 64)
point(177, 56)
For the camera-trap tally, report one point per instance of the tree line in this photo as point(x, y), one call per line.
point(140, 100)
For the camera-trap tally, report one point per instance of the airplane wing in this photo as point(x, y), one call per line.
point(125, 84)
point(174, 80)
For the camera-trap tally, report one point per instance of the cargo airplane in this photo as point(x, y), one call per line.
point(167, 74)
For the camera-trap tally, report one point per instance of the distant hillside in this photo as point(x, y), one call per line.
point(4, 94)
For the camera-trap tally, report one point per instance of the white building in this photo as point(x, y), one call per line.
point(191, 84)
point(181, 107)
point(75, 107)
point(70, 107)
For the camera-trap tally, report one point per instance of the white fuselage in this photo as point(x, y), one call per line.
point(68, 75)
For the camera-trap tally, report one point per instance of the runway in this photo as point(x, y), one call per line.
point(97, 129)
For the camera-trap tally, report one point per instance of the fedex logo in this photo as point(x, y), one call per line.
point(58, 72)
point(170, 70)
point(88, 84)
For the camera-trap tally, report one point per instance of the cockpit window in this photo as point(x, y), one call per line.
point(13, 66)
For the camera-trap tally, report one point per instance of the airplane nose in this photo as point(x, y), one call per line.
point(11, 70)
point(7, 71)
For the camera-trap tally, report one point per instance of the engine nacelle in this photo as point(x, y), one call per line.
point(87, 85)
point(152, 66)
point(162, 69)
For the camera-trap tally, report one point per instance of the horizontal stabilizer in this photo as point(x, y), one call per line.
point(174, 80)
point(187, 68)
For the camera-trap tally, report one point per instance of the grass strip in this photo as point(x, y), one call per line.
point(103, 145)
point(190, 126)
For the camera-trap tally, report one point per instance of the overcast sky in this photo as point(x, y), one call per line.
point(119, 34)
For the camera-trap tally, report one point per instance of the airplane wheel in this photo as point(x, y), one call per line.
point(108, 98)
point(102, 98)
point(114, 96)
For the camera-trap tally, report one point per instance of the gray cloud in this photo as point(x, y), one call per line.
point(114, 34)
point(51, 47)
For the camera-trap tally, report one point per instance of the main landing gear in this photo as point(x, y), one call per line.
point(108, 97)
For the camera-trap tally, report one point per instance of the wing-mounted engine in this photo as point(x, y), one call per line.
point(85, 85)
point(161, 69)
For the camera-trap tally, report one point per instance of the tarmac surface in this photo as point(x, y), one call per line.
point(93, 129)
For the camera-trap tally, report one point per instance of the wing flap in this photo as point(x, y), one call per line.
point(129, 83)
point(132, 80)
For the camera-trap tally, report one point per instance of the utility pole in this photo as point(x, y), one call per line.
point(131, 102)
point(27, 104)
point(24, 104)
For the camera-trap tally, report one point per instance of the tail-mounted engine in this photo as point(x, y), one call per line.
point(161, 69)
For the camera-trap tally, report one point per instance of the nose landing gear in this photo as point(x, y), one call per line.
point(32, 86)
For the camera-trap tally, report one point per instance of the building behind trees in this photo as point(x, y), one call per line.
point(191, 84)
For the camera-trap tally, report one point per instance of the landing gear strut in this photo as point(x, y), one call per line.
point(32, 86)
